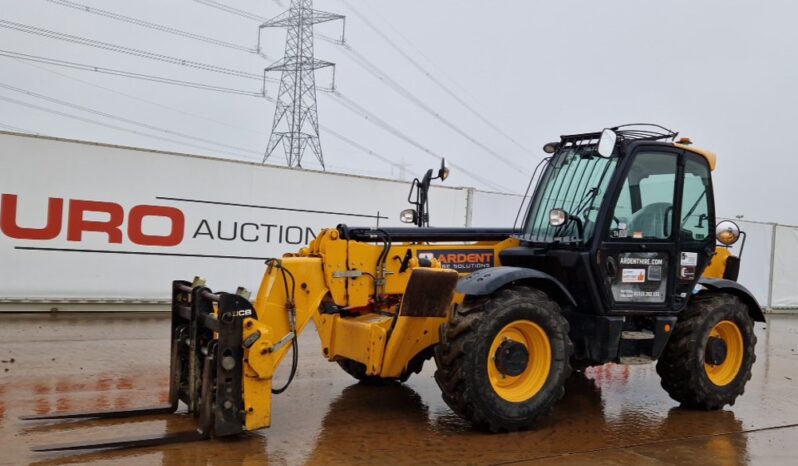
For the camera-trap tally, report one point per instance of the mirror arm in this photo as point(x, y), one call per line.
point(580, 227)
point(742, 245)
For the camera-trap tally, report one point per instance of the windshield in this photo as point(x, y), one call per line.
point(575, 181)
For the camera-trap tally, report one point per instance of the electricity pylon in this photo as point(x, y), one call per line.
point(296, 117)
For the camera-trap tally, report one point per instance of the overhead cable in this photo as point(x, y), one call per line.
point(370, 67)
point(353, 106)
point(154, 26)
point(431, 77)
point(347, 103)
point(127, 74)
point(17, 129)
point(123, 119)
point(49, 61)
point(215, 121)
point(131, 51)
point(235, 11)
point(106, 125)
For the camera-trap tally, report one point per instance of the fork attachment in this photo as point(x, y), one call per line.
point(206, 371)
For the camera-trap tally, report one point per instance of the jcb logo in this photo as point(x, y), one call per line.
point(77, 224)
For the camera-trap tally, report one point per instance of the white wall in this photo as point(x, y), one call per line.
point(35, 169)
point(494, 210)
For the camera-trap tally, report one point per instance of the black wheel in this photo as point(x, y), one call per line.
point(503, 359)
point(708, 359)
point(358, 370)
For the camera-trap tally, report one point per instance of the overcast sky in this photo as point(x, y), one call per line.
point(721, 72)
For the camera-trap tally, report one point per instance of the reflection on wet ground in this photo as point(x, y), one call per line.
point(610, 415)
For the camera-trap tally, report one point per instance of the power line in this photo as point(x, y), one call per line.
point(106, 125)
point(235, 11)
point(143, 100)
point(174, 82)
point(359, 146)
point(432, 78)
point(18, 129)
point(123, 119)
point(128, 130)
point(130, 51)
point(212, 120)
point(154, 26)
point(173, 60)
point(127, 74)
point(370, 67)
point(385, 78)
point(375, 120)
point(352, 106)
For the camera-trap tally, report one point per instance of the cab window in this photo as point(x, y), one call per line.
point(696, 219)
point(644, 209)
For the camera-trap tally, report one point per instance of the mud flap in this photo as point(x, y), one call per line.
point(429, 293)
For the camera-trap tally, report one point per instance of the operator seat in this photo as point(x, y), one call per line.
point(651, 220)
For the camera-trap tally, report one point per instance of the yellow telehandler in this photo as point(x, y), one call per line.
point(610, 263)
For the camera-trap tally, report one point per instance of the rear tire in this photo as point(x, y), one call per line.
point(468, 369)
point(686, 374)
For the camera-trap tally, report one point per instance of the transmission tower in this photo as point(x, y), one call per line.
point(296, 117)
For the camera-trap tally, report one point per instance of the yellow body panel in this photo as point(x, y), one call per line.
point(717, 266)
point(410, 336)
point(361, 338)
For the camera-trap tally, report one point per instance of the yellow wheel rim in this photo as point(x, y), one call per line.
point(725, 372)
point(528, 383)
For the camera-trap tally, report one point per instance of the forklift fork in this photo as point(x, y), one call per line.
point(206, 370)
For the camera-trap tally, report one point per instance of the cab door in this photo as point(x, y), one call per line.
point(696, 239)
point(638, 254)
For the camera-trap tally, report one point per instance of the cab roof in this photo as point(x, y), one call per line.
point(642, 133)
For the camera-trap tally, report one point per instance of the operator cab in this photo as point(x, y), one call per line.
point(624, 218)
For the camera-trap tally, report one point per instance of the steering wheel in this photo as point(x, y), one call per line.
point(614, 218)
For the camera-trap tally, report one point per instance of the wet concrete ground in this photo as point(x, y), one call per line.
point(610, 415)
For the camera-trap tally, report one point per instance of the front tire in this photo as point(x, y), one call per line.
point(503, 360)
point(708, 359)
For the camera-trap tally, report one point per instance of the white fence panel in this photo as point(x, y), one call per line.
point(757, 253)
point(785, 270)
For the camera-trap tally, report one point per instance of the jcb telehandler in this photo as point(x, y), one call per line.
point(615, 260)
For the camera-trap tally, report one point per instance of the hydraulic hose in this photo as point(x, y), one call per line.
point(291, 308)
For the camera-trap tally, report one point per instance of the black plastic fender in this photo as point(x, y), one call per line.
point(732, 287)
point(486, 281)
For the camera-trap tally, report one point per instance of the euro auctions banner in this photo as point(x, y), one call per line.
point(88, 221)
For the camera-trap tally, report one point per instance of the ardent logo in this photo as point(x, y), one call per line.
point(76, 223)
point(462, 260)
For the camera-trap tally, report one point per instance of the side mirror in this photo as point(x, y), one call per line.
point(408, 216)
point(727, 232)
point(606, 144)
point(443, 172)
